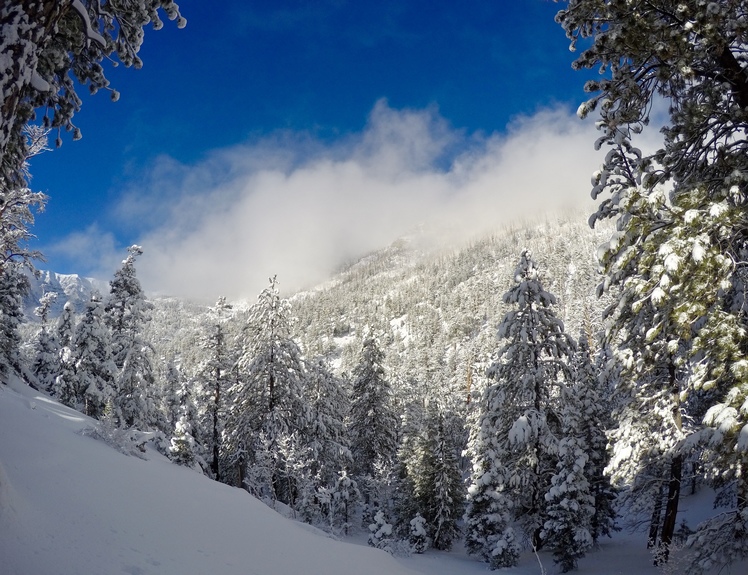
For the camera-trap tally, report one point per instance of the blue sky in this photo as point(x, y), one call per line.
point(283, 137)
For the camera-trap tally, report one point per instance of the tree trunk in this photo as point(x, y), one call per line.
point(671, 510)
point(676, 474)
point(242, 469)
point(214, 467)
point(654, 522)
point(742, 489)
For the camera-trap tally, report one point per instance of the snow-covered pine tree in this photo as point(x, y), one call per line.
point(212, 379)
point(92, 357)
point(16, 217)
point(126, 313)
point(172, 396)
point(410, 457)
point(513, 443)
point(373, 425)
point(439, 488)
point(182, 446)
point(65, 386)
point(571, 502)
point(569, 505)
point(268, 395)
point(589, 416)
point(325, 434)
point(419, 537)
point(489, 514)
point(380, 533)
point(343, 499)
point(692, 55)
point(51, 46)
point(46, 363)
point(294, 480)
point(13, 285)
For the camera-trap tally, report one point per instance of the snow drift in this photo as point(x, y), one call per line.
point(70, 504)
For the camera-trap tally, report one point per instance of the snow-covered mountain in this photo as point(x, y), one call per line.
point(69, 288)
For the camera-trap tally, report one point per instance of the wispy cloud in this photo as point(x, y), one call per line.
point(297, 207)
point(94, 250)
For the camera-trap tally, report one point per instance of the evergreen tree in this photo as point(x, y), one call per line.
point(65, 386)
point(681, 210)
point(439, 489)
point(269, 394)
point(380, 532)
point(182, 446)
point(418, 537)
point(325, 433)
point(212, 377)
point(127, 311)
point(46, 363)
point(342, 501)
point(653, 351)
point(587, 416)
point(372, 423)
point(51, 47)
point(13, 286)
point(513, 444)
point(571, 501)
point(570, 504)
point(92, 359)
point(174, 394)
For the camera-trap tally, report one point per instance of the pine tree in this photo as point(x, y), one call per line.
point(126, 313)
point(682, 207)
point(64, 386)
point(343, 500)
point(46, 363)
point(372, 423)
point(653, 350)
point(13, 285)
point(439, 489)
point(92, 359)
point(514, 442)
point(572, 514)
point(570, 504)
point(418, 537)
point(212, 377)
point(380, 532)
point(268, 395)
point(325, 433)
point(182, 446)
point(172, 396)
point(590, 415)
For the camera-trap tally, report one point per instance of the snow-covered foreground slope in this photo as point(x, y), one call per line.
point(72, 505)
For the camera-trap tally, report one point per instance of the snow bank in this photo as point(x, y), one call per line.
point(72, 505)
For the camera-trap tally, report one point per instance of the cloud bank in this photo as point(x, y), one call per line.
point(298, 207)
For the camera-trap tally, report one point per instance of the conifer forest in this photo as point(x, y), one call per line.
point(540, 388)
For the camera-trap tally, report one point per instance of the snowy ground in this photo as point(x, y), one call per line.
point(71, 505)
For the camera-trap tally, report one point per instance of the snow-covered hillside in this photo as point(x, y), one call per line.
point(72, 505)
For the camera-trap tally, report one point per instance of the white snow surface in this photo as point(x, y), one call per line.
point(72, 505)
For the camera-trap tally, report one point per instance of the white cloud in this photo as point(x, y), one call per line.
point(93, 250)
point(297, 207)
